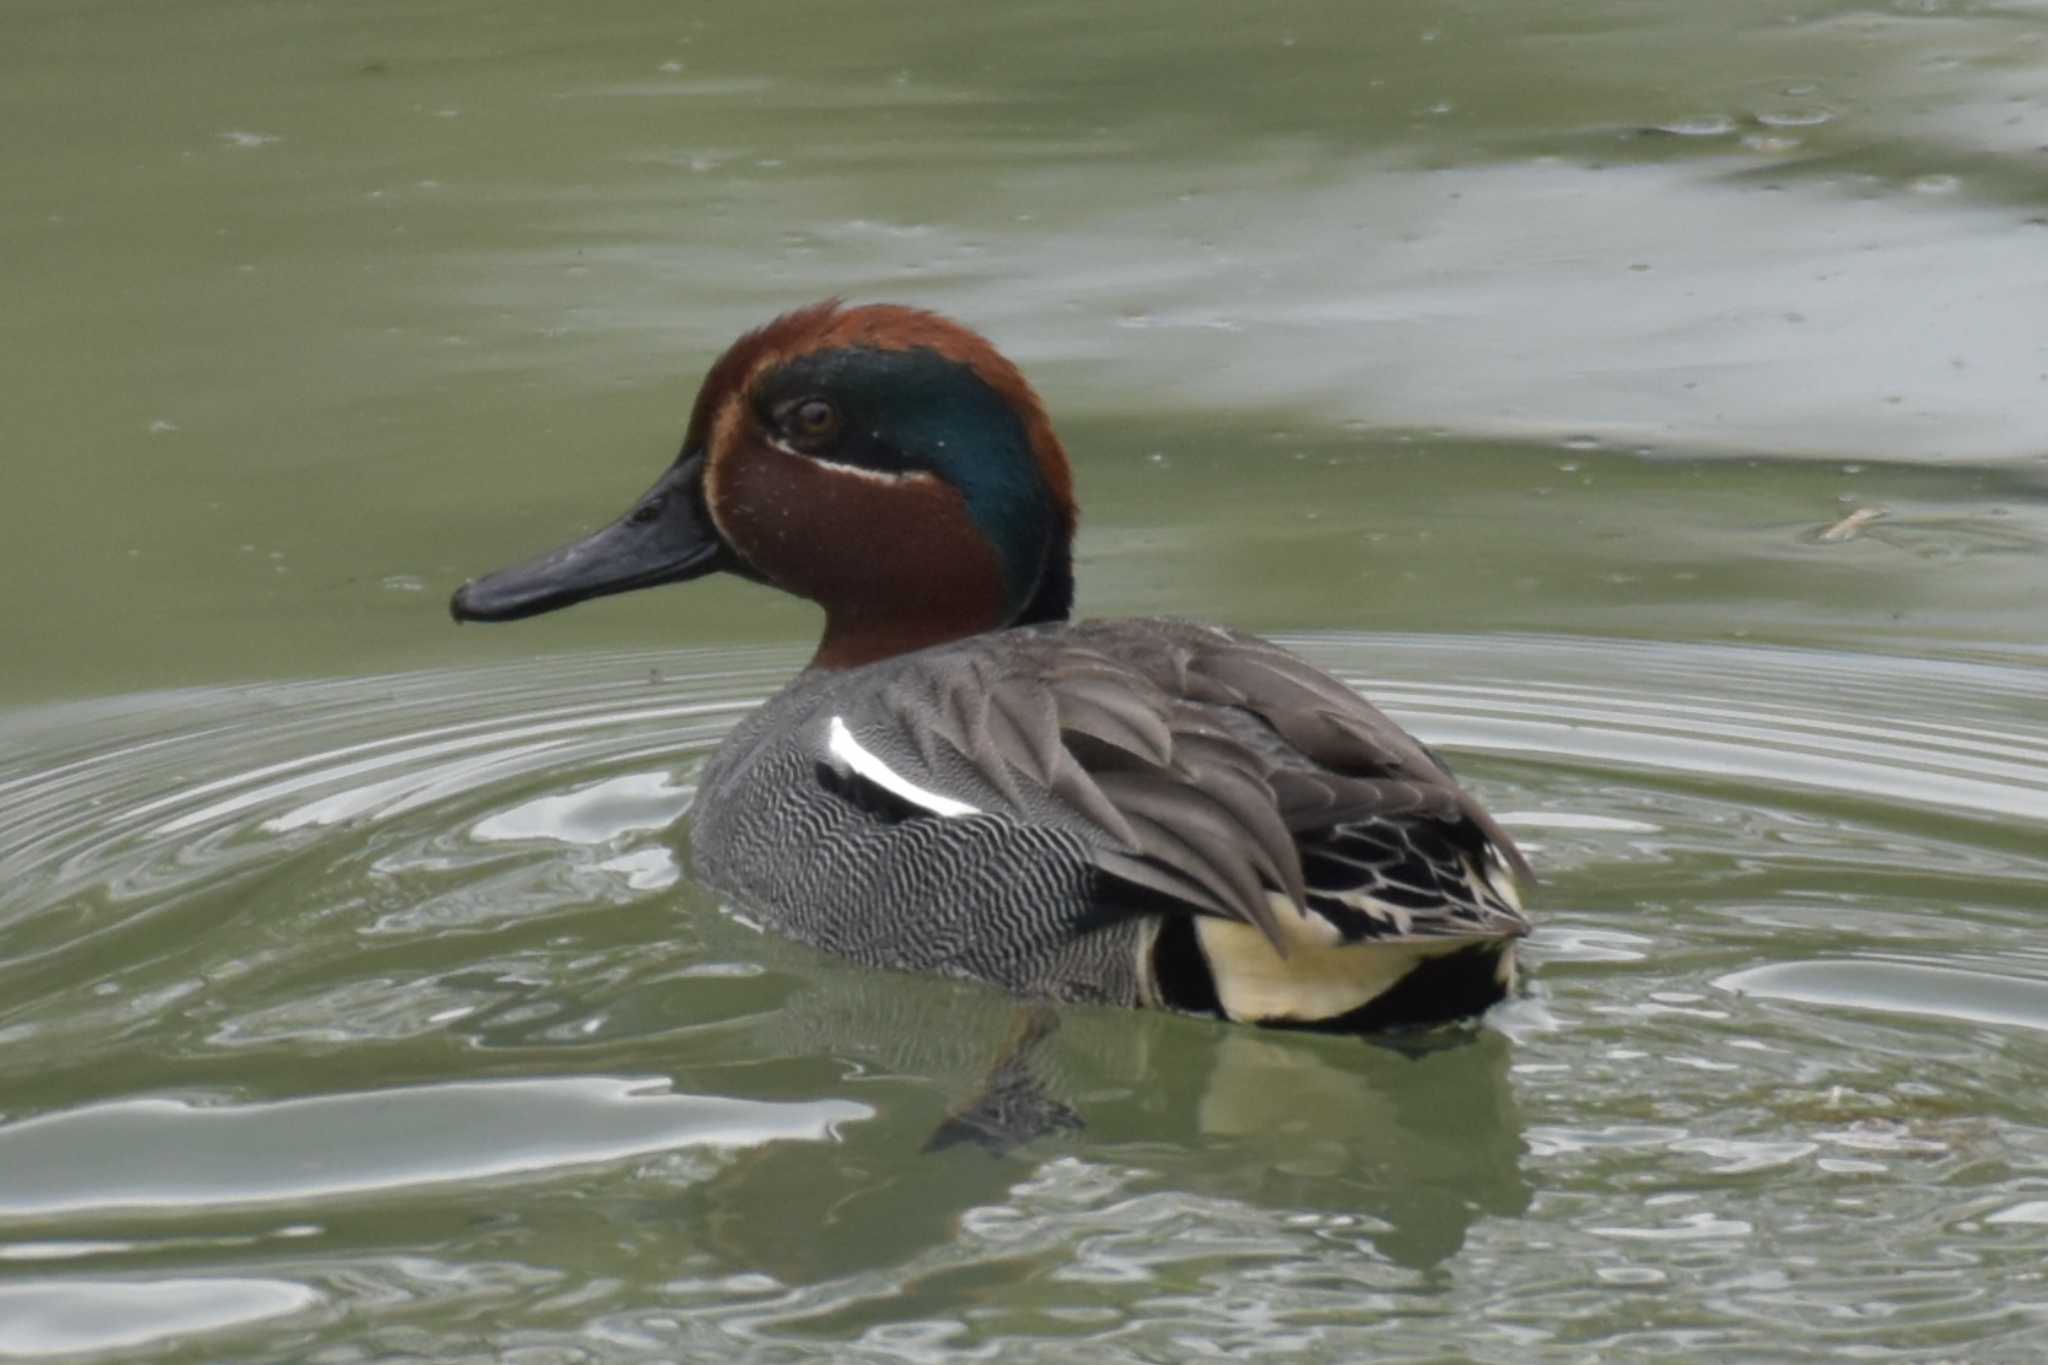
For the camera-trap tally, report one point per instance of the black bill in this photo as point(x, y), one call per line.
point(667, 537)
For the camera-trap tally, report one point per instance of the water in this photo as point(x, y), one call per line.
point(1646, 406)
point(347, 1017)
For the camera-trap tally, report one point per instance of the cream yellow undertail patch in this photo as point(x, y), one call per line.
point(1314, 981)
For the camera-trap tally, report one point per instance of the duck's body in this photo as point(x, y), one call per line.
point(1146, 812)
point(1115, 811)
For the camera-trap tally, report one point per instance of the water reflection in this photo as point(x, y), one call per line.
point(1410, 1142)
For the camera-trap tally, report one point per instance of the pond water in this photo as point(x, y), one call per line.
point(1647, 404)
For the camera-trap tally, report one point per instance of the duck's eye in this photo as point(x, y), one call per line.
point(813, 419)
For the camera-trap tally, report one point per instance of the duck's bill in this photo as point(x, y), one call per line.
point(666, 537)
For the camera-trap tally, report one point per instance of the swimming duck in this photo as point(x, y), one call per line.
point(1145, 812)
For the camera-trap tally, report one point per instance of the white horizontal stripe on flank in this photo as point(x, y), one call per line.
point(844, 747)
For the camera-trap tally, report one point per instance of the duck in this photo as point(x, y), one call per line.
point(965, 780)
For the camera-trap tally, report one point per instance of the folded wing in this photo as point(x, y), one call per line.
point(1212, 774)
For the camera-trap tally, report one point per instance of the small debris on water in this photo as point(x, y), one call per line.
point(1849, 527)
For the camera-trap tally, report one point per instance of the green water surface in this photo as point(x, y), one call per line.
point(1647, 403)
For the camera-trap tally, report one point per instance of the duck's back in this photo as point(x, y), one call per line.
point(1138, 812)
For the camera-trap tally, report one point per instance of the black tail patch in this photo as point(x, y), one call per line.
point(1179, 970)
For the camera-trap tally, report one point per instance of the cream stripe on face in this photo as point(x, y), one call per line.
point(859, 471)
point(724, 423)
point(841, 744)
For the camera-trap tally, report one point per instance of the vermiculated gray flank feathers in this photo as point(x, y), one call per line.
point(1122, 775)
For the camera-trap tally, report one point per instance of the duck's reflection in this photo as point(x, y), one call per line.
point(1426, 1140)
point(1413, 1142)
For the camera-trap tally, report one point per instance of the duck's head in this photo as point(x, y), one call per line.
point(886, 463)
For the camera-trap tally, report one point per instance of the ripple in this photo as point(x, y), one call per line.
point(137, 801)
point(1777, 717)
point(1782, 990)
point(595, 814)
point(429, 803)
point(137, 798)
point(44, 1318)
point(158, 1153)
point(1900, 988)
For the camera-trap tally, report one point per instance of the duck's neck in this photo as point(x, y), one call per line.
point(855, 638)
point(855, 635)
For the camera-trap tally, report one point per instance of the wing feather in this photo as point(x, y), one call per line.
point(1210, 771)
